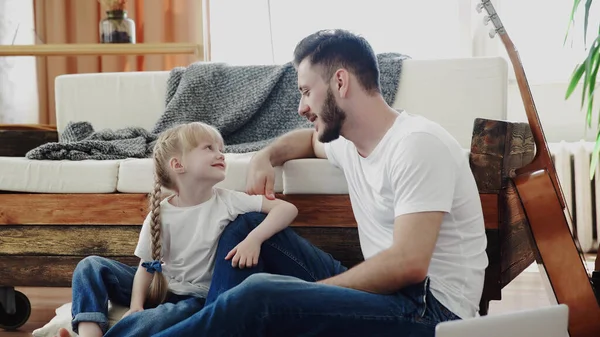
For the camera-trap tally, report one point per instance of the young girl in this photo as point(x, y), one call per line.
point(177, 242)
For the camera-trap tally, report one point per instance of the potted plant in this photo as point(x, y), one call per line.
point(586, 72)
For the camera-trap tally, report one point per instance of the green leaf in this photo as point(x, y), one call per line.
point(588, 68)
point(588, 117)
point(575, 5)
point(592, 87)
point(585, 20)
point(594, 161)
point(588, 81)
point(575, 77)
point(592, 94)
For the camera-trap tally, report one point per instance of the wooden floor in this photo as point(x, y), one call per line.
point(525, 292)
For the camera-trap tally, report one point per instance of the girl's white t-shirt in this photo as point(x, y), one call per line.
point(190, 236)
point(416, 167)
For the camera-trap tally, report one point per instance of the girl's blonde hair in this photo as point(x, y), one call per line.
point(176, 141)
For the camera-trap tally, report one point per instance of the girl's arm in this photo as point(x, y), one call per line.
point(141, 283)
point(280, 214)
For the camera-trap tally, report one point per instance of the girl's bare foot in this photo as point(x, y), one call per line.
point(86, 329)
point(63, 333)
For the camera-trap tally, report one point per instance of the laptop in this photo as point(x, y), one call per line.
point(549, 321)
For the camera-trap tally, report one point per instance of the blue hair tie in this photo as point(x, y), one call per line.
point(153, 266)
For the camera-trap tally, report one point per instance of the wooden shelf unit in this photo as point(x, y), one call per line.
point(79, 49)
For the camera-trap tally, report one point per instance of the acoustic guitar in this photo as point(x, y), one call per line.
point(557, 250)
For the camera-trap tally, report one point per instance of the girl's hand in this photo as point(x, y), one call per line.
point(131, 311)
point(245, 254)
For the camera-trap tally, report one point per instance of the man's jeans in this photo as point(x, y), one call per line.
point(97, 279)
point(250, 302)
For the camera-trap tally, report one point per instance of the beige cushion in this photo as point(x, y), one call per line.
point(452, 92)
point(313, 176)
point(317, 176)
point(137, 175)
point(48, 176)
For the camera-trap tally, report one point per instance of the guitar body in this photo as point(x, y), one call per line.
point(538, 187)
point(558, 256)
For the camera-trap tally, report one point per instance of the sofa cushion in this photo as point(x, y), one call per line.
point(452, 92)
point(20, 174)
point(313, 176)
point(299, 176)
point(317, 176)
point(137, 175)
point(111, 100)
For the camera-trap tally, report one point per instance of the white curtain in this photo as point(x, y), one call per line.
point(266, 31)
point(18, 88)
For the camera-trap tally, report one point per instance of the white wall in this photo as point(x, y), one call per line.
point(561, 119)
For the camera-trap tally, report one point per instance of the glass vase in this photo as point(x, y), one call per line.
point(117, 28)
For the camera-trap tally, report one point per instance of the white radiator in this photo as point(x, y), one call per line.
point(572, 162)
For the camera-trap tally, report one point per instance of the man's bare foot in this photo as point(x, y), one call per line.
point(63, 333)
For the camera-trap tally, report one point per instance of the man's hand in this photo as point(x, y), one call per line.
point(245, 254)
point(261, 176)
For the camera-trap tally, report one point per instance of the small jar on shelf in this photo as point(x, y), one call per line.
point(116, 27)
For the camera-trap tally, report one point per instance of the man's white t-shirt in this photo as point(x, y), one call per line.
point(418, 166)
point(190, 236)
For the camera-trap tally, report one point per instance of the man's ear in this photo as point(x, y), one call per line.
point(176, 165)
point(341, 82)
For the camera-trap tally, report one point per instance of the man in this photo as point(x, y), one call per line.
point(414, 198)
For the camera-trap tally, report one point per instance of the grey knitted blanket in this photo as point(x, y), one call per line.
point(249, 105)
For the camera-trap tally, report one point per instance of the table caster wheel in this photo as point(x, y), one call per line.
point(13, 321)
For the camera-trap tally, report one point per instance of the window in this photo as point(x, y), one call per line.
point(266, 31)
point(18, 89)
point(538, 29)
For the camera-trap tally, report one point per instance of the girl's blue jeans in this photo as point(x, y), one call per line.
point(97, 280)
point(278, 297)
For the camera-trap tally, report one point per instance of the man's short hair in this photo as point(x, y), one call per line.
point(337, 48)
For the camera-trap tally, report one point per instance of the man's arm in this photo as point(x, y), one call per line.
point(295, 144)
point(406, 262)
point(318, 147)
point(422, 175)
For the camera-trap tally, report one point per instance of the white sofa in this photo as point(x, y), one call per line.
point(452, 92)
point(43, 200)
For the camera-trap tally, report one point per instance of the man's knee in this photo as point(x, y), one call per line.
point(244, 224)
point(174, 312)
point(258, 281)
point(255, 286)
point(266, 285)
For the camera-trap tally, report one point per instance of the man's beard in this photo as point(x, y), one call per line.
point(333, 117)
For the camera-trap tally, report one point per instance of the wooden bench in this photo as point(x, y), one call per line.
point(44, 236)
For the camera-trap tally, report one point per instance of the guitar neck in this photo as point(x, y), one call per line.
point(543, 158)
